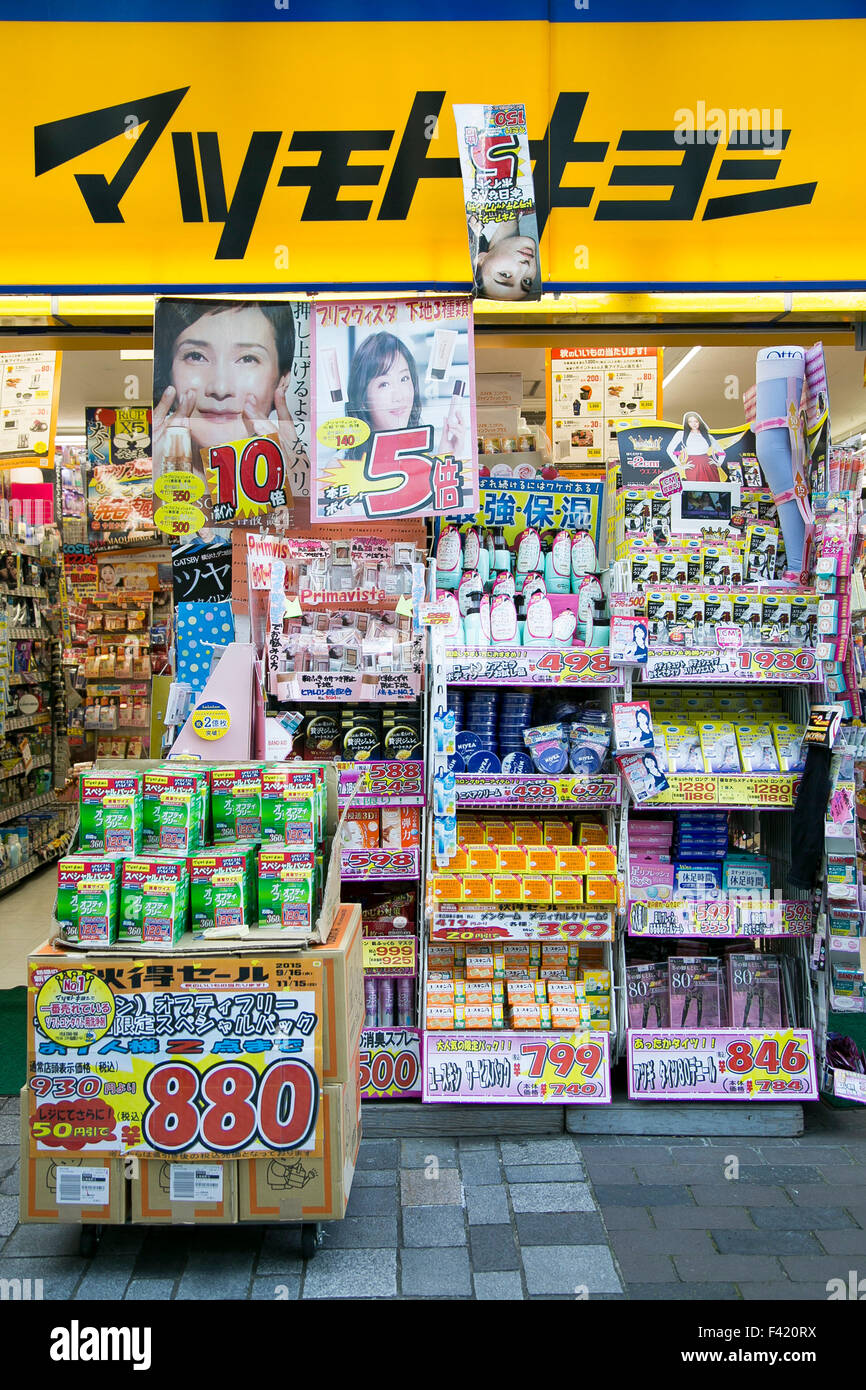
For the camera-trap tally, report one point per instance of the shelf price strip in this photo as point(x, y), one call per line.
point(725, 1064)
point(513, 1068)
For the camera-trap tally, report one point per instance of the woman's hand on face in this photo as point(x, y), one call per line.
point(293, 449)
point(163, 416)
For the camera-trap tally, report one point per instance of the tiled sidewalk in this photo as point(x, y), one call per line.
point(507, 1219)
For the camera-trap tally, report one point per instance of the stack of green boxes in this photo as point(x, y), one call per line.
point(180, 848)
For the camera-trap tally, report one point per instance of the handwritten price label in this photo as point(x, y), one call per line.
point(515, 1068)
point(390, 1064)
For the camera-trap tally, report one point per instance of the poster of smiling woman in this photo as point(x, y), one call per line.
point(393, 409)
point(499, 195)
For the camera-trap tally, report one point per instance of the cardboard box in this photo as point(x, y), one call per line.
point(308, 1186)
point(168, 1193)
point(342, 994)
point(100, 1184)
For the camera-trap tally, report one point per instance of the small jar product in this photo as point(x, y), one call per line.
point(322, 739)
point(362, 735)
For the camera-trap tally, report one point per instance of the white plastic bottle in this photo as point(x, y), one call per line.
point(449, 558)
point(503, 621)
point(538, 628)
point(557, 564)
point(528, 555)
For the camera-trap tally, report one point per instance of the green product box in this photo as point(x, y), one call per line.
point(88, 890)
point(285, 787)
point(154, 898)
point(289, 889)
point(236, 803)
point(111, 812)
point(176, 806)
point(223, 886)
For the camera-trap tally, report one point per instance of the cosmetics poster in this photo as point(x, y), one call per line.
point(393, 409)
point(119, 475)
point(29, 383)
point(593, 390)
point(215, 362)
point(499, 196)
point(698, 452)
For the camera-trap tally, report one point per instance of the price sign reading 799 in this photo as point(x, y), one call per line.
point(516, 1068)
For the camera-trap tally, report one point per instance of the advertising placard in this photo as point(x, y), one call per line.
point(721, 789)
point(390, 955)
point(504, 924)
point(119, 475)
point(513, 503)
point(720, 917)
point(27, 400)
point(728, 1064)
point(603, 789)
point(393, 409)
point(391, 1064)
point(776, 664)
point(514, 1068)
point(185, 1056)
point(593, 389)
point(530, 666)
point(380, 863)
point(382, 784)
point(699, 454)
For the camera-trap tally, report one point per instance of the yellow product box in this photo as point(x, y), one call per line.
point(440, 1016)
point(477, 888)
point(558, 832)
point(469, 831)
point(448, 890)
point(591, 834)
point(600, 888)
point(498, 832)
point(596, 979)
point(507, 888)
point(567, 889)
point(528, 832)
point(459, 1016)
point(459, 861)
point(536, 889)
point(571, 859)
point(526, 1016)
point(599, 1025)
point(483, 859)
point(546, 1018)
point(541, 859)
point(599, 1006)
point(513, 859)
point(600, 859)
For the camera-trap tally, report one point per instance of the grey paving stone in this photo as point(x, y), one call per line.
point(809, 1155)
point(416, 1153)
point(149, 1291)
point(801, 1219)
point(428, 1226)
point(378, 1153)
point(563, 1269)
point(372, 1201)
point(43, 1240)
point(492, 1248)
point(684, 1241)
point(208, 1279)
point(699, 1269)
point(783, 1173)
point(498, 1287)
point(352, 1274)
point(671, 1174)
point(416, 1190)
point(10, 1155)
point(545, 1172)
point(647, 1269)
point(850, 1175)
point(478, 1144)
point(560, 1228)
point(8, 1215)
point(700, 1218)
point(59, 1276)
point(276, 1290)
point(280, 1254)
point(10, 1186)
point(107, 1282)
point(10, 1131)
point(480, 1169)
point(784, 1293)
point(552, 1196)
point(686, 1156)
point(361, 1233)
point(805, 1268)
point(628, 1218)
point(642, 1195)
point(734, 1194)
point(162, 1256)
point(858, 1213)
point(849, 1242)
point(486, 1205)
point(426, 1273)
point(559, 1150)
point(822, 1194)
point(610, 1173)
point(374, 1177)
point(767, 1242)
point(685, 1292)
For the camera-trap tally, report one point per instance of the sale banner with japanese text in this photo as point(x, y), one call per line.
point(788, 664)
point(530, 666)
point(393, 409)
point(499, 195)
point(119, 475)
point(517, 1068)
point(186, 1056)
point(391, 1064)
point(733, 1064)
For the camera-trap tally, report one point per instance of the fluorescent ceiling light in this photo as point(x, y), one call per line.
point(136, 354)
point(683, 362)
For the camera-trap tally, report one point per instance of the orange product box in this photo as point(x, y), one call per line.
point(521, 991)
point(479, 968)
point(441, 952)
point(552, 952)
point(479, 991)
point(477, 888)
point(513, 859)
point(449, 890)
point(520, 952)
point(591, 834)
point(600, 859)
point(561, 989)
point(363, 827)
point(567, 1016)
point(541, 859)
point(528, 832)
point(440, 1016)
point(459, 861)
point(567, 889)
point(536, 889)
point(558, 832)
point(507, 888)
point(469, 832)
point(600, 888)
point(553, 972)
point(526, 1016)
point(483, 859)
point(521, 972)
point(498, 832)
point(479, 1015)
point(571, 859)
point(440, 991)
point(401, 827)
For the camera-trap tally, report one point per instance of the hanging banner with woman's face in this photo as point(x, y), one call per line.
point(393, 409)
point(499, 194)
point(218, 365)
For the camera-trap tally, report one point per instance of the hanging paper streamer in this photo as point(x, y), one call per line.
point(500, 201)
point(200, 628)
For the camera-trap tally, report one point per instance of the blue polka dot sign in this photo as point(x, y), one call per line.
point(199, 628)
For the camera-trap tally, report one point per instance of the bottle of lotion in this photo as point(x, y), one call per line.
point(538, 629)
point(503, 621)
point(583, 558)
point(528, 555)
point(557, 564)
point(469, 591)
point(471, 548)
point(472, 629)
point(449, 558)
point(501, 553)
point(484, 557)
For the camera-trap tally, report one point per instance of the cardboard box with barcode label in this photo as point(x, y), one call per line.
point(342, 994)
point(308, 1186)
point(165, 1192)
point(69, 1187)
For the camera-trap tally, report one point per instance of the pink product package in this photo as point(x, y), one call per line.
point(650, 880)
point(694, 986)
point(647, 826)
point(647, 990)
point(754, 991)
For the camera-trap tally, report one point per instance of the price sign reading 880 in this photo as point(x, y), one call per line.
point(515, 1068)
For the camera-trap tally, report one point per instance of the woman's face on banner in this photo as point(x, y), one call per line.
point(230, 361)
point(390, 397)
point(693, 422)
point(510, 268)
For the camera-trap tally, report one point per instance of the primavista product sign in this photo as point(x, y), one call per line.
point(393, 409)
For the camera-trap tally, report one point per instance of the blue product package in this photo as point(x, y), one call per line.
point(484, 765)
point(697, 879)
point(551, 758)
point(466, 744)
point(456, 763)
point(745, 876)
point(517, 764)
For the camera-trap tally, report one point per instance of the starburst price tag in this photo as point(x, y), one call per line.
point(247, 478)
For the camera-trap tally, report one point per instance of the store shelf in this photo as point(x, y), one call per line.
point(30, 678)
point(36, 861)
point(396, 783)
point(711, 1063)
point(27, 591)
point(568, 793)
point(846, 945)
point(33, 634)
point(536, 666)
point(509, 1066)
point(19, 770)
point(22, 808)
point(522, 924)
point(380, 864)
point(27, 721)
point(322, 688)
point(768, 791)
point(724, 917)
point(770, 665)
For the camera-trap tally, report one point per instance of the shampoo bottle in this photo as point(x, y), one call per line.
point(469, 592)
point(471, 548)
point(557, 564)
point(503, 621)
point(528, 555)
point(449, 558)
point(538, 628)
point(501, 553)
point(583, 558)
point(564, 625)
point(484, 557)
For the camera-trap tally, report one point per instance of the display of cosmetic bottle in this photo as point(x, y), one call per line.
point(473, 629)
point(469, 591)
point(405, 985)
point(503, 621)
point(454, 426)
point(501, 553)
point(590, 590)
point(484, 557)
point(371, 1001)
point(471, 548)
point(583, 558)
point(453, 629)
point(564, 627)
point(557, 564)
point(528, 556)
point(487, 538)
point(504, 584)
point(599, 626)
point(538, 628)
point(386, 1003)
point(449, 558)
point(484, 616)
